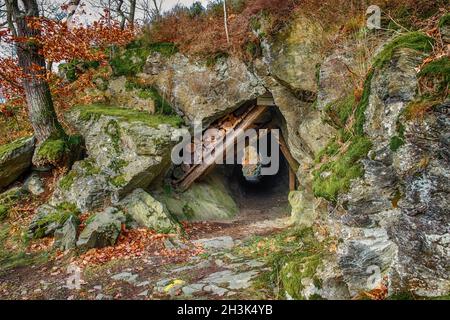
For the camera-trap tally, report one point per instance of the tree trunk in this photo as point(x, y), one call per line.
point(37, 91)
point(225, 18)
point(72, 9)
point(132, 14)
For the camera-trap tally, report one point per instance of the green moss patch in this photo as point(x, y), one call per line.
point(298, 268)
point(58, 217)
point(340, 111)
point(54, 150)
point(3, 212)
point(291, 256)
point(437, 71)
point(130, 60)
point(92, 112)
point(162, 106)
point(67, 181)
point(395, 143)
point(90, 168)
point(10, 147)
point(335, 176)
point(412, 40)
point(13, 251)
point(118, 181)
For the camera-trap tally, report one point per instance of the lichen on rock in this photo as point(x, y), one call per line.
point(205, 200)
point(145, 211)
point(102, 231)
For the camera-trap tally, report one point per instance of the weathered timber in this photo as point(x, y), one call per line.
point(198, 170)
point(293, 164)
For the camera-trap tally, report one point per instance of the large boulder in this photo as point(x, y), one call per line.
point(294, 55)
point(102, 231)
point(15, 159)
point(145, 211)
point(126, 150)
point(203, 92)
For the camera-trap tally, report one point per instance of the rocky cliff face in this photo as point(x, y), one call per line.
point(392, 222)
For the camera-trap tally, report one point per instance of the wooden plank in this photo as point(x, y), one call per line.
point(266, 100)
point(239, 120)
point(199, 170)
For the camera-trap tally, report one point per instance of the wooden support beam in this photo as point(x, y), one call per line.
point(293, 164)
point(197, 171)
point(292, 180)
point(266, 100)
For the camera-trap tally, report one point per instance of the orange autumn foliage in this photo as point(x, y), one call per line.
point(59, 43)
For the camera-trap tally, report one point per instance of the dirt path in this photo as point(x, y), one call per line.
point(216, 273)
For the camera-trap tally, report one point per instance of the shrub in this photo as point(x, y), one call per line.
point(203, 34)
point(196, 9)
point(73, 69)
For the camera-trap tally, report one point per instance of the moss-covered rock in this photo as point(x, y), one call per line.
point(66, 236)
point(50, 218)
point(15, 159)
point(297, 272)
point(207, 199)
point(131, 60)
point(145, 211)
point(102, 231)
point(393, 78)
point(58, 150)
point(293, 257)
point(127, 149)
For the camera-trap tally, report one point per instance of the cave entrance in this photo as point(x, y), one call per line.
point(249, 185)
point(266, 193)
